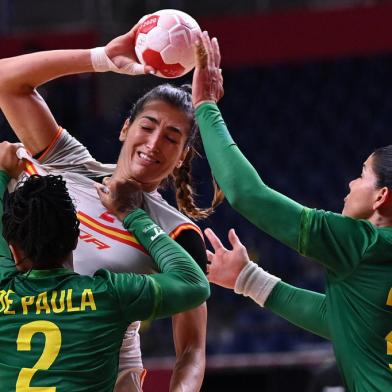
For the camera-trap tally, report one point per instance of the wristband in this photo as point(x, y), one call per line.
point(102, 63)
point(255, 283)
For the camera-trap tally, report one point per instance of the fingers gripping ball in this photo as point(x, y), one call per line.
point(164, 40)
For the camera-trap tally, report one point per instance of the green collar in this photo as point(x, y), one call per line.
point(48, 272)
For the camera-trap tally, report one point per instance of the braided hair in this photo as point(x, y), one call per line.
point(181, 179)
point(40, 219)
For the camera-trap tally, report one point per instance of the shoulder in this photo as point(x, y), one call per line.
point(168, 217)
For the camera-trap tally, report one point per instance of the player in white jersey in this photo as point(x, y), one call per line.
point(157, 144)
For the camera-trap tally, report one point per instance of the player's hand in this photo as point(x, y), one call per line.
point(121, 51)
point(120, 196)
point(9, 161)
point(225, 265)
point(207, 82)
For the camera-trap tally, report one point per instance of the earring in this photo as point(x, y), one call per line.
point(179, 164)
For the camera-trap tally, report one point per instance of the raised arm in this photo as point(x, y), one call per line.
point(26, 110)
point(246, 192)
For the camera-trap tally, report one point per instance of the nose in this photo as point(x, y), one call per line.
point(154, 141)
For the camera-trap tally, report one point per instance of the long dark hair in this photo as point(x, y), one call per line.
point(181, 179)
point(40, 219)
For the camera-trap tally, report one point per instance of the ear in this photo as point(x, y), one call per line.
point(16, 254)
point(383, 198)
point(124, 130)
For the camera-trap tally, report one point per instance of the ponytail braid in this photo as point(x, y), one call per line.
point(185, 192)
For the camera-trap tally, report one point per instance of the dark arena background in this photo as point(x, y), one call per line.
point(308, 95)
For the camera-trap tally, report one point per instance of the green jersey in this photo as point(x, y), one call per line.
point(356, 310)
point(61, 332)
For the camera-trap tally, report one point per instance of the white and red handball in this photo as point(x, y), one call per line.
point(164, 41)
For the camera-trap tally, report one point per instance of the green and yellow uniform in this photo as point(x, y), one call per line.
point(61, 332)
point(356, 310)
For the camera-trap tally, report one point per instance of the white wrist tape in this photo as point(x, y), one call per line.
point(102, 63)
point(255, 283)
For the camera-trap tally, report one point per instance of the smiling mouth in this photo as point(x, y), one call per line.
point(147, 158)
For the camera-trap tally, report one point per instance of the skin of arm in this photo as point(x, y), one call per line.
point(21, 75)
point(189, 332)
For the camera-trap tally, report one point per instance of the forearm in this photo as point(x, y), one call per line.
point(4, 249)
point(304, 308)
point(188, 372)
point(182, 284)
point(189, 334)
point(22, 74)
point(246, 192)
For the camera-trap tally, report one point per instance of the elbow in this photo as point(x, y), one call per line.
point(202, 291)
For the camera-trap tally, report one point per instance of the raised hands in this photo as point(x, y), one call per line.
point(9, 161)
point(207, 82)
point(120, 196)
point(225, 265)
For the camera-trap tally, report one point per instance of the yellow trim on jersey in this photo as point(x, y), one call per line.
point(111, 232)
point(185, 226)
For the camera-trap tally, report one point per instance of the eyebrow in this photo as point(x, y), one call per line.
point(170, 127)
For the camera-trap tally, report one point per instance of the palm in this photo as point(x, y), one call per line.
point(225, 265)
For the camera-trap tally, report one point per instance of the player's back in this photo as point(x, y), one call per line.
point(61, 330)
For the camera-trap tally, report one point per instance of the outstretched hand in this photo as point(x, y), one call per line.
point(9, 161)
point(120, 196)
point(225, 265)
point(207, 84)
point(121, 51)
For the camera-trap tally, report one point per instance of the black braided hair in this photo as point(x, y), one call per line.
point(40, 219)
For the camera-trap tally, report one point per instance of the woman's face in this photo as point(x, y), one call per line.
point(359, 203)
point(154, 144)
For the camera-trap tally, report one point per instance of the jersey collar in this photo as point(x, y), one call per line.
point(48, 272)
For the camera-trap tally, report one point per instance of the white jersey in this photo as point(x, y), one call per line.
point(103, 242)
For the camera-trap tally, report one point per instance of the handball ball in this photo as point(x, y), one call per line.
point(164, 41)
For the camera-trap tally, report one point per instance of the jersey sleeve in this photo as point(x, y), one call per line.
point(7, 266)
point(193, 243)
point(339, 243)
point(181, 284)
point(269, 210)
point(303, 308)
point(65, 153)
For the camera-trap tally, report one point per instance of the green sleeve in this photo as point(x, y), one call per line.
point(341, 243)
point(269, 210)
point(7, 266)
point(304, 308)
point(181, 284)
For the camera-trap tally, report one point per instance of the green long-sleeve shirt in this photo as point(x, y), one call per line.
point(356, 311)
point(63, 331)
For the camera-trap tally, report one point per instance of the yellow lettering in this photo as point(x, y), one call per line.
point(87, 300)
point(2, 303)
point(61, 302)
point(27, 301)
point(389, 299)
point(42, 303)
point(8, 303)
point(70, 307)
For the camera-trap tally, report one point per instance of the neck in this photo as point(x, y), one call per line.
point(380, 220)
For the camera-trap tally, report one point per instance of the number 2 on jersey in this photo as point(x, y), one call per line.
point(388, 338)
point(51, 349)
